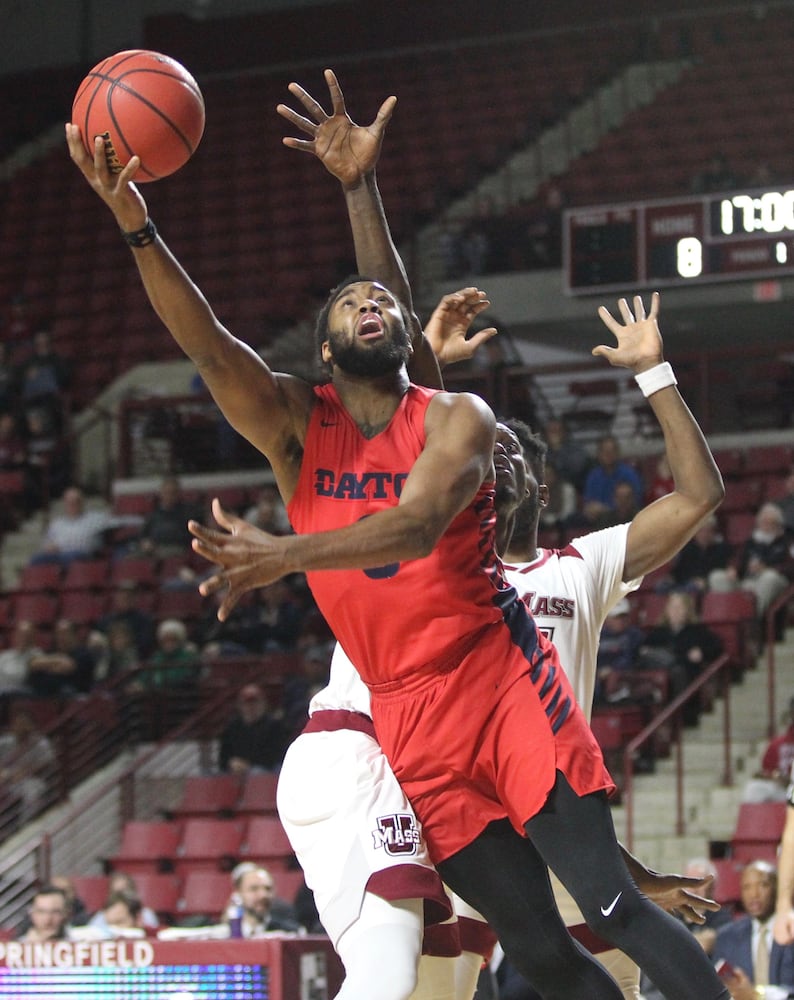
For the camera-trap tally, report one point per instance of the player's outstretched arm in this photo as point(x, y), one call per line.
point(660, 530)
point(350, 152)
point(674, 893)
point(263, 407)
point(457, 457)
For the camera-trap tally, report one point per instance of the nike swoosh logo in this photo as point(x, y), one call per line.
point(606, 911)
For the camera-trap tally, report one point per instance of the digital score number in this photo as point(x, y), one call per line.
point(700, 239)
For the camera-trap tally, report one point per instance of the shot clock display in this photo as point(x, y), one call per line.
point(700, 239)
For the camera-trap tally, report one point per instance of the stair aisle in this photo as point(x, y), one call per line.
point(710, 808)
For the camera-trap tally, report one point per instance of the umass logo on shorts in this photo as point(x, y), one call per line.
point(397, 834)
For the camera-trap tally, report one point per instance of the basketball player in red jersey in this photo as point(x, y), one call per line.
point(390, 487)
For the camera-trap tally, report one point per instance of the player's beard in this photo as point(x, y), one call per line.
point(382, 358)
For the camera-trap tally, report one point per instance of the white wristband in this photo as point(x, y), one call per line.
point(655, 379)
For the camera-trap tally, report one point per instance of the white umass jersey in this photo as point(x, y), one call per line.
point(569, 593)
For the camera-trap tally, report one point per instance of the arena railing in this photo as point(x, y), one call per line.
point(88, 829)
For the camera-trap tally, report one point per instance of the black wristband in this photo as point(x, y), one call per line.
point(141, 237)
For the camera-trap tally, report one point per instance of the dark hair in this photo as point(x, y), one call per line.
point(128, 898)
point(50, 890)
point(321, 326)
point(532, 444)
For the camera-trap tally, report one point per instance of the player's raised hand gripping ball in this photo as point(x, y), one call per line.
point(142, 103)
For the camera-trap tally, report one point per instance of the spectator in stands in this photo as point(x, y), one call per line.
point(685, 646)
point(164, 532)
point(268, 512)
point(67, 670)
point(618, 647)
point(569, 457)
point(120, 916)
point(598, 495)
point(124, 882)
point(770, 782)
point(747, 943)
point(77, 533)
point(254, 891)
point(15, 661)
point(272, 620)
point(763, 563)
point(49, 915)
point(706, 552)
point(119, 653)
point(300, 688)
point(44, 377)
point(48, 458)
point(13, 452)
point(786, 502)
point(718, 175)
point(174, 663)
point(78, 913)
point(27, 761)
point(126, 609)
point(254, 738)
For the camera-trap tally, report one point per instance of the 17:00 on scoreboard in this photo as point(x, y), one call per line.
point(700, 239)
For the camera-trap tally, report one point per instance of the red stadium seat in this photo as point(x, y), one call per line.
point(39, 577)
point(87, 574)
point(209, 796)
point(266, 841)
point(91, 889)
point(209, 844)
point(159, 891)
point(146, 847)
point(759, 827)
point(205, 893)
point(258, 794)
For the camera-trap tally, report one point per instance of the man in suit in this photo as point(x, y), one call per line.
point(747, 943)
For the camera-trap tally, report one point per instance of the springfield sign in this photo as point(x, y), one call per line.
point(117, 954)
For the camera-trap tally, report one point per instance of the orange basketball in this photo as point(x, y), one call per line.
point(142, 103)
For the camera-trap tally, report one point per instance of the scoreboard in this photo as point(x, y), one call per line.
point(694, 240)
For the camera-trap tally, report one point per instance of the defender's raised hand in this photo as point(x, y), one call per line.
point(639, 344)
point(447, 328)
point(346, 150)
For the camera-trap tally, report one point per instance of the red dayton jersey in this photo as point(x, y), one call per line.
point(470, 703)
point(380, 615)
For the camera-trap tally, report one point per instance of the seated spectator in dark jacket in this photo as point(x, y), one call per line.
point(702, 554)
point(43, 377)
point(690, 645)
point(618, 649)
point(126, 609)
point(67, 670)
point(272, 620)
point(164, 532)
point(254, 738)
point(738, 942)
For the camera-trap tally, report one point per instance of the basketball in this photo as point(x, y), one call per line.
point(141, 103)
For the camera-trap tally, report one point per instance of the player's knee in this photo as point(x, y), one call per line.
point(611, 919)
